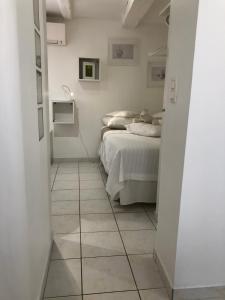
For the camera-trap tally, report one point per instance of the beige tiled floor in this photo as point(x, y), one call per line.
point(101, 250)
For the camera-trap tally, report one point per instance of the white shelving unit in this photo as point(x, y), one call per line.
point(63, 112)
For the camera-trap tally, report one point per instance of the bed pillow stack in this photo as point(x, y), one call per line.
point(119, 119)
point(144, 129)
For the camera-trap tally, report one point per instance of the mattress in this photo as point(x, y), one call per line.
point(126, 157)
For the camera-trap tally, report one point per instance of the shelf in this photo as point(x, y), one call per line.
point(63, 112)
point(89, 69)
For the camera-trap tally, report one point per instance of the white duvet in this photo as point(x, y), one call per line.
point(127, 156)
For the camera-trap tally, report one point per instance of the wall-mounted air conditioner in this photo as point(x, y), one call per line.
point(165, 13)
point(56, 34)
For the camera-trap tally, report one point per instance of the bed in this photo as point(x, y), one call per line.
point(131, 162)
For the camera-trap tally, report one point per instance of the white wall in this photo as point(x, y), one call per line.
point(201, 237)
point(179, 65)
point(191, 229)
point(120, 87)
point(24, 191)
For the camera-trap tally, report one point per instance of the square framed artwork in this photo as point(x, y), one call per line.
point(36, 13)
point(39, 87)
point(40, 123)
point(123, 52)
point(156, 73)
point(38, 49)
point(89, 70)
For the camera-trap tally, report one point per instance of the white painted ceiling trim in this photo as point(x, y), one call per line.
point(135, 11)
point(65, 9)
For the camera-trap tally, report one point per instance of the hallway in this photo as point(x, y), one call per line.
point(101, 250)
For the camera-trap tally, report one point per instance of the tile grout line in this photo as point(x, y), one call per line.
point(123, 244)
point(81, 256)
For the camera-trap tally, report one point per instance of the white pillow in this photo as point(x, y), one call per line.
point(123, 114)
point(144, 129)
point(158, 115)
point(145, 117)
point(119, 123)
point(106, 120)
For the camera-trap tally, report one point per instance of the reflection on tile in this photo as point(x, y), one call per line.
point(133, 221)
point(65, 207)
point(91, 184)
point(101, 244)
point(93, 194)
point(139, 242)
point(65, 195)
point(114, 296)
point(66, 246)
point(65, 185)
point(98, 222)
point(64, 278)
point(95, 206)
point(145, 271)
point(107, 274)
point(154, 294)
point(65, 224)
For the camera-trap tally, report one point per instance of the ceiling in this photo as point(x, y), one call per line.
point(98, 9)
point(153, 15)
point(103, 9)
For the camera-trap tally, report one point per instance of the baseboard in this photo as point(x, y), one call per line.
point(197, 293)
point(163, 275)
point(44, 280)
point(80, 159)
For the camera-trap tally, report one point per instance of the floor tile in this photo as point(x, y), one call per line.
point(154, 294)
point(72, 176)
point(66, 246)
point(65, 298)
point(66, 224)
point(91, 184)
point(93, 194)
point(64, 278)
point(151, 212)
point(90, 176)
point(67, 171)
point(65, 185)
point(126, 208)
point(65, 208)
point(101, 244)
point(98, 222)
point(208, 293)
point(133, 221)
point(114, 296)
point(139, 242)
point(68, 165)
point(95, 206)
point(145, 271)
point(65, 195)
point(107, 274)
point(89, 170)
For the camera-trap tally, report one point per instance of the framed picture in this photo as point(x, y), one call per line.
point(89, 70)
point(156, 73)
point(39, 87)
point(123, 52)
point(36, 13)
point(40, 123)
point(38, 49)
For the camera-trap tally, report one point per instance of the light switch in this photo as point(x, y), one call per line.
point(173, 91)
